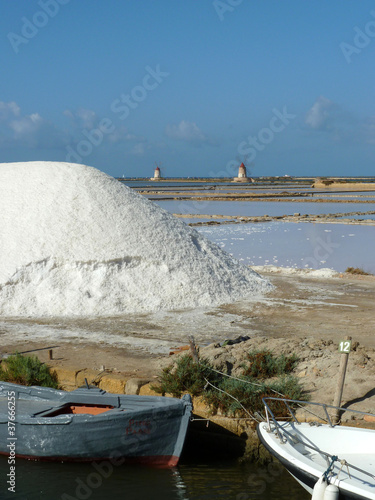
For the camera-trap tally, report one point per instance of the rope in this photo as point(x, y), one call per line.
point(245, 381)
point(196, 357)
point(258, 385)
point(334, 458)
point(327, 455)
point(239, 402)
point(344, 462)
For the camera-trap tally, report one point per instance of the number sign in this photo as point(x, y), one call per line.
point(345, 346)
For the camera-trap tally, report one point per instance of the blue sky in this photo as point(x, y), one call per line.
point(196, 86)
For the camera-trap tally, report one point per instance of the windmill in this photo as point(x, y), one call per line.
point(157, 172)
point(243, 170)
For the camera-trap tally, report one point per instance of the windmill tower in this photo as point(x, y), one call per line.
point(242, 175)
point(157, 173)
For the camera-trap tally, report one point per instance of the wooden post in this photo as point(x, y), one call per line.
point(193, 349)
point(50, 354)
point(341, 379)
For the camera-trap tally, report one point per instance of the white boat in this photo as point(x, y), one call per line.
point(322, 454)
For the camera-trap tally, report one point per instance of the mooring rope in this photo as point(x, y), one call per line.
point(246, 381)
point(344, 462)
point(196, 358)
point(238, 401)
point(334, 459)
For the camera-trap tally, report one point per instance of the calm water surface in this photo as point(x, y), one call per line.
point(257, 208)
point(287, 244)
point(214, 481)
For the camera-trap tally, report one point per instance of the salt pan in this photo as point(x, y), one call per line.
point(75, 241)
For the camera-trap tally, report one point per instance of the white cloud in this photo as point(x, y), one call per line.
point(140, 148)
point(186, 131)
point(8, 110)
point(121, 134)
point(82, 118)
point(338, 124)
point(30, 131)
point(321, 115)
point(26, 125)
point(87, 120)
point(33, 131)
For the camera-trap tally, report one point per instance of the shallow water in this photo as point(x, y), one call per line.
point(169, 184)
point(258, 208)
point(286, 244)
point(345, 195)
point(189, 481)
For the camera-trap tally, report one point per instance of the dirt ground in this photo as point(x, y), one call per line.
point(324, 308)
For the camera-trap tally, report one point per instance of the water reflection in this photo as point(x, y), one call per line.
point(205, 481)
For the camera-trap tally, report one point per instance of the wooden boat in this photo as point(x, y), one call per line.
point(90, 424)
point(332, 458)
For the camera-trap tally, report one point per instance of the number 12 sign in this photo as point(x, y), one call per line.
point(345, 346)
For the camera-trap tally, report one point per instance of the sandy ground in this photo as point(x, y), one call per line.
point(325, 308)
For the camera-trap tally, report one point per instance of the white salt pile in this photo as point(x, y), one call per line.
point(324, 272)
point(74, 241)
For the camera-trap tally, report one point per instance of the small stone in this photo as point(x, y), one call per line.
point(133, 385)
point(316, 371)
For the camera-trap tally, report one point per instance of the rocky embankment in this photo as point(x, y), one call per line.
point(317, 367)
point(317, 370)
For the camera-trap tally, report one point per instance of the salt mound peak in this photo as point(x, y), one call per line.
point(75, 241)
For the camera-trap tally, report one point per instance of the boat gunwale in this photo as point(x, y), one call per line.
point(306, 477)
point(58, 399)
point(276, 427)
point(166, 418)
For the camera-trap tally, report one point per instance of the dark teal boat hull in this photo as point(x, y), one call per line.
point(91, 424)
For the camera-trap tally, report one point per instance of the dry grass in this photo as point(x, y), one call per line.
point(357, 270)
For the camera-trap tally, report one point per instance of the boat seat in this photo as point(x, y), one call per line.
point(77, 409)
point(29, 407)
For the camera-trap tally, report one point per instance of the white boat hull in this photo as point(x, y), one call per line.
point(306, 451)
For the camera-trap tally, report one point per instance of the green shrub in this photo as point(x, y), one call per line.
point(27, 370)
point(247, 391)
point(263, 364)
point(185, 376)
